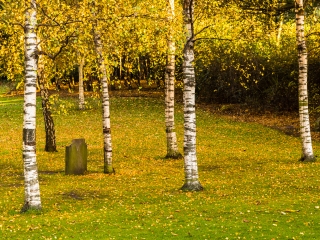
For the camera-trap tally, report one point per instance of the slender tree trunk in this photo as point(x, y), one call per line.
point(172, 146)
point(48, 120)
point(307, 151)
point(31, 183)
point(51, 145)
point(105, 102)
point(139, 70)
point(120, 68)
point(190, 157)
point(279, 30)
point(81, 90)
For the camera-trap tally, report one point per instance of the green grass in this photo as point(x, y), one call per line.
point(254, 186)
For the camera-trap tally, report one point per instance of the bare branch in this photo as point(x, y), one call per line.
point(202, 30)
point(64, 45)
point(224, 39)
point(313, 33)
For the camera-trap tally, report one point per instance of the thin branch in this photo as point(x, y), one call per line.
point(18, 24)
point(56, 23)
point(64, 45)
point(133, 15)
point(272, 11)
point(312, 49)
point(313, 33)
point(224, 39)
point(65, 23)
point(203, 29)
point(46, 15)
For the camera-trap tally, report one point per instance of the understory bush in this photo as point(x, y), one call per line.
point(258, 72)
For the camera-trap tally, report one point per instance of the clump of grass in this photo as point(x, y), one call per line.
point(254, 186)
point(4, 88)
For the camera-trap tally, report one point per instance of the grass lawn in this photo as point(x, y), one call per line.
point(255, 188)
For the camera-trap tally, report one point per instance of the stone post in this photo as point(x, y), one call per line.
point(76, 157)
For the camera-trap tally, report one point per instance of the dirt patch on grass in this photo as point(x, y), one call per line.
point(50, 172)
point(81, 194)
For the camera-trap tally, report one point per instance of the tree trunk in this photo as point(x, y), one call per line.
point(31, 183)
point(81, 91)
point(105, 102)
point(120, 68)
point(172, 146)
point(307, 151)
point(190, 158)
point(48, 120)
point(279, 30)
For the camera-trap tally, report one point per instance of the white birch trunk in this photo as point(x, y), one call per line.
point(190, 157)
point(31, 183)
point(172, 146)
point(81, 90)
point(279, 30)
point(307, 151)
point(108, 168)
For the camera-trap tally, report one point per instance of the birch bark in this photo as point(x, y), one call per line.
point(190, 158)
point(31, 183)
point(305, 134)
point(108, 168)
point(81, 91)
point(279, 30)
point(172, 146)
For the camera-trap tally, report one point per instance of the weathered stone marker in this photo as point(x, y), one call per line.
point(76, 157)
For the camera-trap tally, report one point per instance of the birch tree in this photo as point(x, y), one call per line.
point(305, 134)
point(81, 90)
point(31, 187)
point(190, 157)
point(105, 98)
point(172, 146)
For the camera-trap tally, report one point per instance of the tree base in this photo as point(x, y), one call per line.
point(51, 149)
point(194, 186)
point(26, 207)
point(307, 159)
point(109, 170)
point(174, 155)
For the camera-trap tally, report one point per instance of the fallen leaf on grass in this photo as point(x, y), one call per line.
point(290, 211)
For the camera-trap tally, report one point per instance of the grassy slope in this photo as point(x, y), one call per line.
point(254, 186)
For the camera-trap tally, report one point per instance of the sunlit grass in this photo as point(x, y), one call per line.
point(254, 186)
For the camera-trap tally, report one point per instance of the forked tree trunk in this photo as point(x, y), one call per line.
point(278, 40)
point(31, 183)
point(307, 151)
point(108, 168)
point(172, 146)
point(190, 157)
point(51, 145)
point(81, 90)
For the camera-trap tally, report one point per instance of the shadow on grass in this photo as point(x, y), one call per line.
point(50, 172)
point(81, 194)
point(209, 168)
